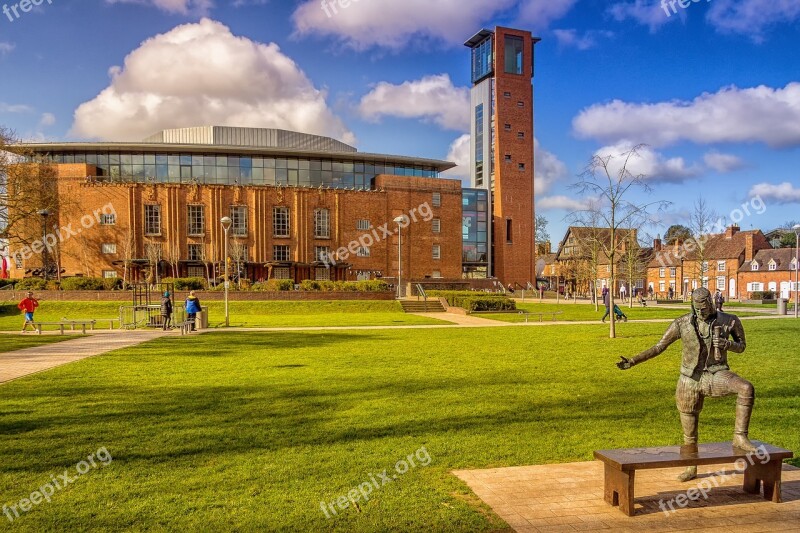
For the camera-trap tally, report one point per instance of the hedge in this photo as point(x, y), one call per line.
point(474, 301)
point(187, 284)
point(762, 295)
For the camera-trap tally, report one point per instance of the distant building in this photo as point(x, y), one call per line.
point(770, 270)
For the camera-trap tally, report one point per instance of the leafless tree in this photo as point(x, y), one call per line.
point(238, 251)
point(701, 222)
point(611, 180)
point(153, 253)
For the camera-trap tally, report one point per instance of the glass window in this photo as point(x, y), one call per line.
point(110, 274)
point(482, 60)
point(514, 54)
point(322, 224)
point(108, 220)
point(280, 221)
point(239, 220)
point(322, 254)
point(437, 199)
point(363, 225)
point(281, 252)
point(437, 251)
point(363, 251)
point(186, 159)
point(197, 220)
point(109, 248)
point(281, 273)
point(152, 220)
point(437, 225)
point(196, 252)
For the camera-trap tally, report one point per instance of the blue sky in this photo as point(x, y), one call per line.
point(712, 88)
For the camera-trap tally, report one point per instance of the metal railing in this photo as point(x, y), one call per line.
point(421, 292)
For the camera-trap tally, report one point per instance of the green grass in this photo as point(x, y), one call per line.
point(577, 312)
point(246, 314)
point(251, 431)
point(9, 343)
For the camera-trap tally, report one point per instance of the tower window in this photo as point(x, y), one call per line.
point(507, 127)
point(520, 135)
point(508, 158)
point(514, 54)
point(521, 166)
point(507, 94)
point(520, 104)
point(509, 229)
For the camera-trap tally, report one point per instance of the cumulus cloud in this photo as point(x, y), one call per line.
point(571, 39)
point(651, 164)
point(392, 24)
point(566, 203)
point(430, 98)
point(731, 115)
point(723, 162)
point(6, 48)
point(201, 74)
point(752, 17)
point(15, 108)
point(783, 193)
point(181, 7)
point(646, 12)
point(47, 119)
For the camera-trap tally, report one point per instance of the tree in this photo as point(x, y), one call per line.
point(788, 240)
point(541, 236)
point(701, 222)
point(610, 179)
point(677, 233)
point(238, 253)
point(634, 261)
point(153, 253)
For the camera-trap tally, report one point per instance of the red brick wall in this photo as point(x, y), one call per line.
point(127, 298)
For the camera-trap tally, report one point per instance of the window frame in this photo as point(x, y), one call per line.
point(277, 211)
point(196, 227)
point(322, 223)
point(149, 220)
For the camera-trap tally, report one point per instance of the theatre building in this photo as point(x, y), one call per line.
point(293, 199)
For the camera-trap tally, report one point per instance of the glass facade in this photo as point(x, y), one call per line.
point(238, 169)
point(514, 54)
point(475, 230)
point(479, 145)
point(483, 60)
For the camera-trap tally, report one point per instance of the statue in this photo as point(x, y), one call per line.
point(705, 372)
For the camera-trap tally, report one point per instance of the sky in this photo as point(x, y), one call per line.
point(710, 87)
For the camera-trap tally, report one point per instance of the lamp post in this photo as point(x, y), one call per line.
point(226, 225)
point(399, 220)
point(44, 213)
point(796, 269)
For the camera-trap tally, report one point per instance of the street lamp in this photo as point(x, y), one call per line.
point(226, 225)
point(399, 220)
point(796, 269)
point(44, 213)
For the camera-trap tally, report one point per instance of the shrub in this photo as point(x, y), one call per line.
point(187, 284)
point(274, 285)
point(762, 295)
point(83, 284)
point(6, 282)
point(474, 301)
point(31, 284)
point(310, 285)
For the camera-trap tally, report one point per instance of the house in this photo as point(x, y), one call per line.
point(769, 270)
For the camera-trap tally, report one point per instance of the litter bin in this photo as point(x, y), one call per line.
point(782, 306)
point(201, 322)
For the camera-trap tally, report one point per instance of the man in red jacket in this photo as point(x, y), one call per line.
point(28, 306)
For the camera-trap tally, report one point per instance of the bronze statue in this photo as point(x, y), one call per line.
point(705, 372)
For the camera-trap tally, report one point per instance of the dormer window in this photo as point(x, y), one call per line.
point(773, 265)
point(754, 266)
point(794, 264)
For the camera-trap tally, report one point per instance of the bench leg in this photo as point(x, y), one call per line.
point(619, 489)
point(39, 329)
point(767, 475)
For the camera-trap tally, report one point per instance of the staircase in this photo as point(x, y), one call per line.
point(422, 306)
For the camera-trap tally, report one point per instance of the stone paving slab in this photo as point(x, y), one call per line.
point(20, 363)
point(569, 497)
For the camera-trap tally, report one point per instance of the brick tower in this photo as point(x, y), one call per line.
point(502, 146)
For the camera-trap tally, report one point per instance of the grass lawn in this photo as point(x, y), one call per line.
point(9, 343)
point(252, 431)
point(247, 314)
point(577, 312)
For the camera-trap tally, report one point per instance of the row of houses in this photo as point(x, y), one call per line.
point(736, 263)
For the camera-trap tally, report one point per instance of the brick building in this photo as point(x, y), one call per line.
point(294, 200)
point(770, 270)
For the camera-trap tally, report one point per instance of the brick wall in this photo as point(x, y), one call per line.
point(127, 298)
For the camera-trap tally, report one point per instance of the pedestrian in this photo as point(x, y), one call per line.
point(622, 291)
point(670, 293)
point(28, 306)
point(192, 308)
point(650, 291)
point(719, 299)
point(607, 303)
point(166, 311)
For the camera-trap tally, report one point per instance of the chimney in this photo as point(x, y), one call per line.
point(748, 248)
point(731, 231)
point(657, 245)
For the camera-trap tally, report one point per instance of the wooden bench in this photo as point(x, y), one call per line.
point(621, 466)
point(64, 323)
point(92, 321)
point(186, 326)
point(527, 314)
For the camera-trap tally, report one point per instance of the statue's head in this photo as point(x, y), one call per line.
point(702, 304)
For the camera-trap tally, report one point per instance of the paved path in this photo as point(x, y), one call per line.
point(569, 497)
point(19, 363)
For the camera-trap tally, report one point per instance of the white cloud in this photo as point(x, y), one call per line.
point(570, 38)
point(47, 119)
point(393, 24)
point(181, 7)
point(548, 169)
point(567, 203)
point(201, 74)
point(646, 12)
point(651, 164)
point(731, 115)
point(752, 17)
point(15, 108)
point(6, 48)
point(723, 162)
point(430, 98)
point(784, 193)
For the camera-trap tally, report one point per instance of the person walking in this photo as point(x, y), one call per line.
point(192, 308)
point(28, 306)
point(166, 311)
point(622, 291)
point(607, 303)
point(670, 293)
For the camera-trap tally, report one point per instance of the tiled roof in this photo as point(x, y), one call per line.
point(717, 247)
point(781, 256)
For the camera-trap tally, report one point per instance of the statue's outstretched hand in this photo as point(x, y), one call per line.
point(625, 364)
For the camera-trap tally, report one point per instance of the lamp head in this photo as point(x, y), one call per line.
point(796, 229)
point(226, 222)
point(400, 220)
point(43, 212)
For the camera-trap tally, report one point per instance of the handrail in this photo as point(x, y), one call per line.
point(421, 292)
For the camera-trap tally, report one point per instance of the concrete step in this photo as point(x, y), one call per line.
point(414, 306)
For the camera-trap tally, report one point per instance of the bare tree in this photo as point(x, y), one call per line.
point(153, 254)
point(589, 243)
point(610, 179)
point(701, 223)
point(174, 257)
point(128, 251)
point(541, 236)
point(238, 251)
point(634, 261)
